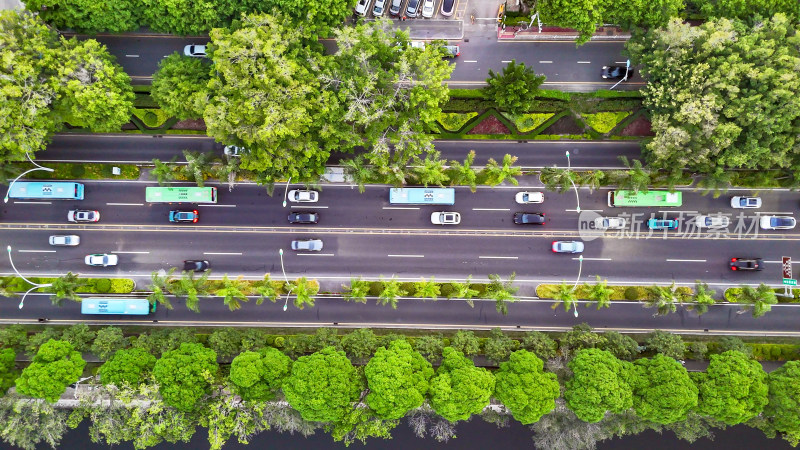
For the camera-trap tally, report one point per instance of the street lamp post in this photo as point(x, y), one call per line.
point(35, 285)
point(577, 198)
point(580, 268)
point(38, 167)
point(627, 70)
point(285, 278)
point(285, 194)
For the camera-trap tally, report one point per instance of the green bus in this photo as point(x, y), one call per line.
point(650, 198)
point(181, 195)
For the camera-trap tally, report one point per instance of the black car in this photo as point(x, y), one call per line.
point(304, 217)
point(746, 264)
point(195, 265)
point(523, 218)
point(616, 72)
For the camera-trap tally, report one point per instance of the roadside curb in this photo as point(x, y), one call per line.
point(532, 34)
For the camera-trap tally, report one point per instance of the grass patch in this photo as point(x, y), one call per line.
point(466, 93)
point(603, 122)
point(144, 101)
point(455, 121)
point(152, 118)
point(70, 171)
point(629, 293)
point(93, 285)
point(528, 122)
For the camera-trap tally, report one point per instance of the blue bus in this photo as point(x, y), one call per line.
point(122, 306)
point(422, 196)
point(46, 190)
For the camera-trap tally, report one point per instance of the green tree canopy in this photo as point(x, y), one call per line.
point(783, 409)
point(258, 375)
point(88, 16)
point(460, 389)
point(398, 379)
point(185, 375)
point(525, 388)
point(179, 86)
point(733, 389)
point(186, 17)
point(600, 383)
point(322, 386)
point(515, 89)
point(55, 366)
point(662, 392)
point(7, 374)
point(129, 366)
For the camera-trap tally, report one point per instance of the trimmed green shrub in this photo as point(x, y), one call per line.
point(603, 122)
point(77, 170)
point(631, 293)
point(455, 121)
point(122, 285)
point(102, 285)
point(152, 118)
point(529, 122)
point(552, 93)
point(278, 342)
point(466, 93)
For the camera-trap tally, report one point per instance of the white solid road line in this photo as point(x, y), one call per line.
point(212, 253)
point(593, 259)
point(36, 251)
point(33, 203)
point(491, 209)
point(124, 204)
point(218, 206)
point(545, 62)
point(584, 62)
point(314, 254)
point(506, 61)
point(592, 210)
point(309, 206)
point(131, 56)
point(406, 256)
point(470, 60)
point(397, 207)
point(687, 260)
point(498, 257)
point(133, 253)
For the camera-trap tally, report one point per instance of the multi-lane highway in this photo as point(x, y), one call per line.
point(365, 236)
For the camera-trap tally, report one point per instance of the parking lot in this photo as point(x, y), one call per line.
point(412, 9)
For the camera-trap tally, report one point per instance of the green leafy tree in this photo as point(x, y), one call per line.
point(265, 290)
point(759, 300)
point(185, 375)
point(226, 342)
point(163, 172)
point(13, 336)
point(582, 15)
point(7, 373)
point(65, 287)
point(322, 386)
point(600, 293)
point(666, 343)
point(592, 179)
point(36, 340)
point(158, 342)
point(257, 376)
point(304, 292)
point(80, 336)
point(430, 170)
point(466, 342)
point(733, 389)
point(25, 422)
point(398, 379)
point(360, 343)
point(717, 182)
point(460, 389)
point(502, 292)
point(357, 291)
point(498, 346)
point(88, 17)
point(496, 173)
point(184, 17)
point(55, 366)
point(427, 289)
point(620, 345)
point(129, 366)
point(539, 344)
point(232, 292)
point(179, 86)
point(108, 341)
point(516, 89)
point(197, 167)
point(358, 171)
point(191, 287)
point(728, 343)
point(525, 388)
point(702, 298)
point(636, 178)
point(783, 409)
point(582, 336)
point(464, 174)
point(662, 390)
point(430, 346)
point(391, 290)
point(600, 383)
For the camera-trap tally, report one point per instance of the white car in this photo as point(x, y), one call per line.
point(418, 44)
point(703, 221)
point(445, 218)
point(101, 260)
point(379, 8)
point(361, 7)
point(610, 223)
point(428, 8)
point(529, 197)
point(83, 215)
point(195, 51)
point(567, 247)
point(69, 240)
point(746, 202)
point(308, 245)
point(232, 151)
point(303, 196)
point(777, 222)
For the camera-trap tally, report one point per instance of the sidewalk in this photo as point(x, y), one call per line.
point(548, 33)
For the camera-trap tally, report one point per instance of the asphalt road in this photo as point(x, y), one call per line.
point(142, 149)
point(364, 235)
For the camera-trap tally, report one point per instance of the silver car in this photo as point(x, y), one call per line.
point(704, 221)
point(69, 240)
point(445, 218)
point(567, 247)
point(303, 196)
point(746, 202)
point(101, 260)
point(412, 8)
point(379, 8)
point(195, 51)
point(777, 222)
point(428, 8)
point(307, 245)
point(610, 223)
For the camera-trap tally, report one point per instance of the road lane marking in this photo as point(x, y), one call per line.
point(36, 251)
point(593, 259)
point(133, 253)
point(33, 203)
point(218, 206)
point(766, 213)
point(687, 260)
point(584, 62)
point(406, 256)
point(124, 204)
point(221, 253)
point(592, 210)
point(491, 209)
point(309, 206)
point(545, 62)
point(131, 56)
point(397, 207)
point(506, 61)
point(314, 254)
point(498, 257)
point(471, 60)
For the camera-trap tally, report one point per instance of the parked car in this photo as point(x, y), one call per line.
point(417, 44)
point(428, 8)
point(451, 51)
point(101, 260)
point(662, 224)
point(362, 6)
point(304, 217)
point(745, 202)
point(704, 221)
point(195, 51)
point(303, 196)
point(395, 8)
point(83, 215)
point(445, 218)
point(616, 73)
point(67, 240)
point(523, 218)
point(777, 222)
point(233, 151)
point(308, 245)
point(184, 216)
point(567, 247)
point(195, 265)
point(746, 264)
point(412, 8)
point(447, 7)
point(529, 197)
point(379, 8)
point(610, 223)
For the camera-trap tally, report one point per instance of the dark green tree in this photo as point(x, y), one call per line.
point(783, 409)
point(129, 366)
point(55, 366)
point(256, 376)
point(185, 375)
point(515, 89)
point(460, 389)
point(498, 346)
point(734, 388)
point(398, 379)
point(179, 86)
point(600, 383)
point(525, 388)
point(666, 343)
point(662, 390)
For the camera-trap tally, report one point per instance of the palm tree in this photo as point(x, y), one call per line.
point(427, 289)
point(392, 290)
point(703, 297)
point(304, 292)
point(760, 300)
point(464, 174)
point(636, 178)
point(394, 174)
point(600, 293)
point(496, 174)
point(266, 290)
point(65, 288)
point(557, 179)
point(501, 292)
point(197, 164)
point(431, 170)
point(662, 298)
point(463, 290)
point(162, 171)
point(717, 182)
point(592, 179)
point(5, 288)
point(227, 170)
point(358, 290)
point(232, 292)
point(566, 295)
point(193, 288)
point(160, 285)
point(359, 172)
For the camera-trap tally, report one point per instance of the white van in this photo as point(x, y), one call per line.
point(362, 6)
